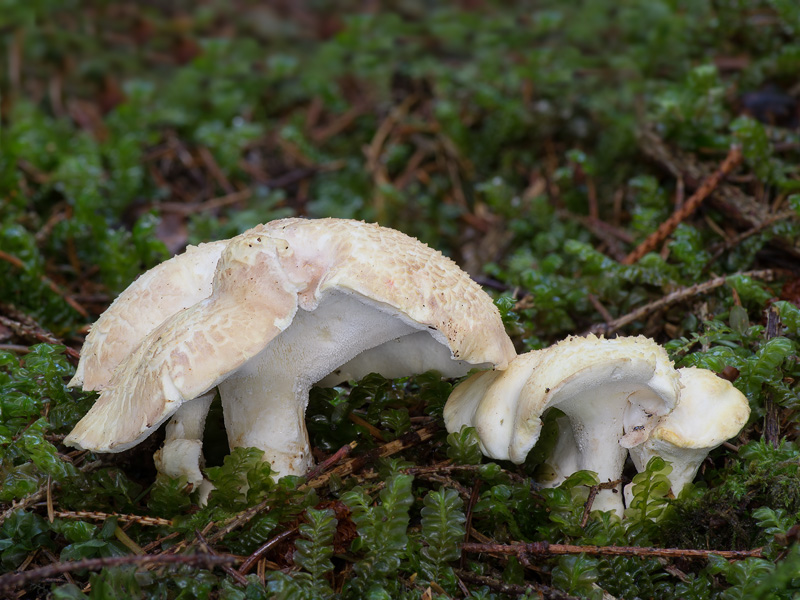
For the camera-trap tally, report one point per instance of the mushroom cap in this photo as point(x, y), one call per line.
point(262, 278)
point(710, 410)
point(156, 295)
point(391, 268)
point(506, 407)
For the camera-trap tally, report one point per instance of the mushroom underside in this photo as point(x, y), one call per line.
point(264, 402)
point(597, 417)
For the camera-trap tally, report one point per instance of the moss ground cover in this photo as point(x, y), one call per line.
point(538, 144)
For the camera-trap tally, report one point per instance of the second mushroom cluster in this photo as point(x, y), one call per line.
point(617, 396)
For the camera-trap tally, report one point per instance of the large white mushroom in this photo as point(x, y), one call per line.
point(710, 410)
point(605, 387)
point(290, 302)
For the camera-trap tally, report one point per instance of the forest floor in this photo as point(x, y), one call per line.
point(610, 168)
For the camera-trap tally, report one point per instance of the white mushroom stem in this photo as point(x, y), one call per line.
point(265, 401)
point(596, 412)
point(182, 452)
point(564, 458)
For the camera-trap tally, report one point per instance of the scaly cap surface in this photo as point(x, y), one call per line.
point(156, 295)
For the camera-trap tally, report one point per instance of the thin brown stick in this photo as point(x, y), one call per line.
point(266, 547)
point(240, 579)
point(656, 238)
point(17, 580)
point(735, 241)
point(447, 467)
point(27, 328)
point(593, 491)
point(407, 440)
point(16, 262)
point(156, 543)
point(338, 125)
point(50, 510)
point(598, 306)
point(122, 518)
point(772, 428)
point(473, 498)
point(53, 560)
point(238, 520)
point(15, 348)
point(184, 208)
point(541, 591)
point(373, 431)
point(545, 549)
point(677, 296)
point(331, 460)
point(317, 481)
point(245, 516)
point(213, 167)
point(11, 259)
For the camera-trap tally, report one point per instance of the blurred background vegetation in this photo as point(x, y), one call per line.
point(538, 143)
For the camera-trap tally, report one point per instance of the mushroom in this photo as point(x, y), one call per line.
point(290, 302)
point(605, 387)
point(710, 410)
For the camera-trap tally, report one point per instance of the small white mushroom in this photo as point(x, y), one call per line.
point(710, 410)
point(605, 387)
point(291, 302)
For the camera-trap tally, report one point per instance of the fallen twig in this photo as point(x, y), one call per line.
point(17, 580)
point(473, 498)
point(692, 204)
point(735, 241)
point(27, 328)
point(331, 460)
point(240, 579)
point(593, 491)
point(266, 547)
point(545, 549)
point(101, 516)
point(16, 262)
point(246, 515)
point(404, 441)
point(772, 428)
point(541, 591)
point(677, 296)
